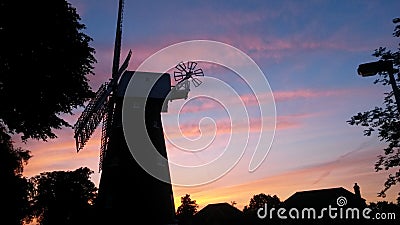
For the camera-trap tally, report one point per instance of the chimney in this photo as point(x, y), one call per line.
point(357, 190)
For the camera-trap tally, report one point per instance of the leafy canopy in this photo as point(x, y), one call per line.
point(44, 62)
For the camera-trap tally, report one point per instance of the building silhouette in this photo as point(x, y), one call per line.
point(321, 198)
point(326, 206)
point(219, 214)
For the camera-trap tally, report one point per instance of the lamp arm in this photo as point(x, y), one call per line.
point(396, 91)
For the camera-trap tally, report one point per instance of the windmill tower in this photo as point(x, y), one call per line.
point(126, 191)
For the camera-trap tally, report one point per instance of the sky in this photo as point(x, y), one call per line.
point(308, 53)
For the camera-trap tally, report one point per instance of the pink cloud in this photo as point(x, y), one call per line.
point(292, 121)
point(265, 98)
point(308, 93)
point(201, 105)
point(226, 126)
point(291, 95)
point(253, 44)
point(280, 96)
point(271, 47)
point(234, 18)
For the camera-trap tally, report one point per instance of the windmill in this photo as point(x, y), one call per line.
point(118, 200)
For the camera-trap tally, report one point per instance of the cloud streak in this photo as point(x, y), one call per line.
point(354, 166)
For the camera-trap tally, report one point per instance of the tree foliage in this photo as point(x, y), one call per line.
point(259, 201)
point(64, 197)
point(16, 189)
point(186, 210)
point(385, 121)
point(44, 62)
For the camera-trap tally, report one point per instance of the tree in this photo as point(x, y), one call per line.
point(384, 207)
point(186, 210)
point(16, 189)
point(386, 210)
point(385, 121)
point(259, 201)
point(44, 63)
point(64, 197)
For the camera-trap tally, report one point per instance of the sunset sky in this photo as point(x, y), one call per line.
point(309, 52)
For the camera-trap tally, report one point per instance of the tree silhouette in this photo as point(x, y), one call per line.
point(387, 210)
point(385, 121)
point(15, 189)
point(44, 61)
point(258, 201)
point(64, 197)
point(384, 206)
point(186, 210)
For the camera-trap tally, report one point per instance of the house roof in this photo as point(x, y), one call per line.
point(321, 198)
point(218, 213)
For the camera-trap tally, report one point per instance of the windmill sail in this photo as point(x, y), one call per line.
point(91, 117)
point(118, 40)
point(96, 110)
point(102, 105)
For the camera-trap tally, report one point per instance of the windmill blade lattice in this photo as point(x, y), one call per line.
point(196, 82)
point(91, 116)
point(186, 71)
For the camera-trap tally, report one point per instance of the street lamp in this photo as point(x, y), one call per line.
point(372, 68)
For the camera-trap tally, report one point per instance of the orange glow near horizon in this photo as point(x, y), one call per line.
point(285, 184)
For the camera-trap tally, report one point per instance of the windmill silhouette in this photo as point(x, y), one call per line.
point(126, 191)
